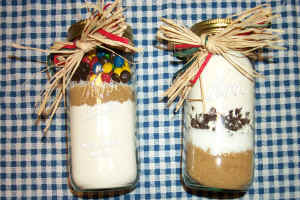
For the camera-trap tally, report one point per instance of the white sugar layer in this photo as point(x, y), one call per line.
point(222, 141)
point(103, 145)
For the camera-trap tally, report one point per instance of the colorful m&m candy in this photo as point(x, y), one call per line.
point(118, 61)
point(107, 67)
point(100, 66)
point(100, 54)
point(115, 77)
point(107, 56)
point(125, 76)
point(118, 71)
point(97, 67)
point(105, 77)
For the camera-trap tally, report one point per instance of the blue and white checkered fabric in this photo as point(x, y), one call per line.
point(35, 167)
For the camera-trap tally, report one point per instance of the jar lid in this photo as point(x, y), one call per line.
point(75, 30)
point(211, 26)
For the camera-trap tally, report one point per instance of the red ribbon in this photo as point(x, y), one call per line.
point(201, 68)
point(106, 6)
point(246, 33)
point(57, 61)
point(104, 33)
point(70, 46)
point(185, 46)
point(113, 36)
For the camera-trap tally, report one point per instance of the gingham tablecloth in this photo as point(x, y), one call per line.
point(35, 167)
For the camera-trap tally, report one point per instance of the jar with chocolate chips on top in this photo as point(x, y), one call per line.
point(219, 134)
point(216, 88)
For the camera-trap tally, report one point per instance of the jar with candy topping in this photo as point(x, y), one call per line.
point(219, 135)
point(102, 120)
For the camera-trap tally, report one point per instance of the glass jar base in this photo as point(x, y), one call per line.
point(125, 188)
point(190, 183)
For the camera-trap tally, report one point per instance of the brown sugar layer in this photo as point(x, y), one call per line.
point(231, 171)
point(85, 94)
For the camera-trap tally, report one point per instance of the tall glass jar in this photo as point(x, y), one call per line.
point(219, 135)
point(102, 123)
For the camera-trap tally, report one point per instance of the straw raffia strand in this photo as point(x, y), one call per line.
point(111, 20)
point(247, 33)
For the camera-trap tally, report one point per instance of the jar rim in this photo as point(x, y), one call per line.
point(211, 26)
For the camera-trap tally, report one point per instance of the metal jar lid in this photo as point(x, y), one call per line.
point(211, 26)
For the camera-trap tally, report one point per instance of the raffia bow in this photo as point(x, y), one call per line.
point(103, 28)
point(247, 33)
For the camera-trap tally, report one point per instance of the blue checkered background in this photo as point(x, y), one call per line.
point(35, 167)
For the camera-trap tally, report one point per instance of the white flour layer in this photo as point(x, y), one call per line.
point(103, 148)
point(222, 141)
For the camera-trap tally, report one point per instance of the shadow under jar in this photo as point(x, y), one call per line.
point(102, 121)
point(219, 137)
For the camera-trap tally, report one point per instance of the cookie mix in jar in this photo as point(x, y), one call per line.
point(93, 71)
point(102, 120)
point(102, 116)
point(216, 89)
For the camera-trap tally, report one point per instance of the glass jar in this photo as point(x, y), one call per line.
point(102, 123)
point(219, 134)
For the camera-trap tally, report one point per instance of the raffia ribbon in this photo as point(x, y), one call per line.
point(103, 28)
point(247, 33)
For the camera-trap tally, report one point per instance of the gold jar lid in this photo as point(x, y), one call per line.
point(211, 26)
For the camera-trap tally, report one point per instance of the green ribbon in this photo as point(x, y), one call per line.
point(259, 26)
point(185, 53)
point(182, 70)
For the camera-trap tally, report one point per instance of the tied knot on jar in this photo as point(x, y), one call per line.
point(104, 28)
point(244, 33)
point(208, 43)
point(84, 46)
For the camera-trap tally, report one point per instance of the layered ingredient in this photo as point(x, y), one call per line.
point(103, 137)
point(219, 150)
point(219, 134)
point(226, 171)
point(102, 117)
